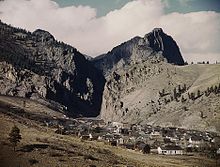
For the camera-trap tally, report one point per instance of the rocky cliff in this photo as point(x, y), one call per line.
point(146, 85)
point(160, 94)
point(139, 49)
point(35, 65)
point(143, 83)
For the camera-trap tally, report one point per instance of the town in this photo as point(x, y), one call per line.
point(146, 139)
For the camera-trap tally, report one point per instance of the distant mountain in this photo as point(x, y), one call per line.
point(155, 43)
point(36, 66)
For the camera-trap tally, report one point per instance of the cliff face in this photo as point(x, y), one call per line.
point(142, 82)
point(159, 41)
point(139, 49)
point(157, 93)
point(36, 66)
point(145, 85)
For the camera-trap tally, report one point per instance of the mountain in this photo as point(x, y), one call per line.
point(141, 81)
point(155, 43)
point(147, 84)
point(158, 93)
point(37, 66)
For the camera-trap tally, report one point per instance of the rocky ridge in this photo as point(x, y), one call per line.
point(160, 94)
point(35, 65)
point(155, 43)
point(142, 82)
point(145, 85)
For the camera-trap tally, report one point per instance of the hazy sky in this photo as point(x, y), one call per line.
point(96, 26)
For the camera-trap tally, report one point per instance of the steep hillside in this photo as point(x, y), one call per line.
point(158, 93)
point(155, 43)
point(142, 83)
point(36, 66)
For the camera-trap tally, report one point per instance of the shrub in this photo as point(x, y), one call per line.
point(33, 161)
point(90, 157)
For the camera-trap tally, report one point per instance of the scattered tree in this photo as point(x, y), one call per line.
point(183, 99)
point(189, 95)
point(192, 96)
point(171, 98)
point(14, 136)
point(146, 149)
point(175, 93)
point(198, 93)
point(185, 63)
point(24, 103)
point(185, 108)
point(184, 88)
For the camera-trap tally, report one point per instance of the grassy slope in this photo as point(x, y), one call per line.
point(51, 149)
point(195, 77)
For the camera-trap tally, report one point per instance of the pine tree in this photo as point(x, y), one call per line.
point(174, 93)
point(216, 89)
point(146, 149)
point(165, 101)
point(184, 88)
point(192, 96)
point(14, 136)
point(179, 89)
point(198, 93)
point(211, 89)
point(189, 95)
point(183, 99)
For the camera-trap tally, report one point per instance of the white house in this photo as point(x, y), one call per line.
point(120, 141)
point(170, 150)
point(196, 140)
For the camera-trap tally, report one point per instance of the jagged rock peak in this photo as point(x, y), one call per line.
point(158, 30)
point(35, 65)
point(154, 44)
point(160, 41)
point(43, 34)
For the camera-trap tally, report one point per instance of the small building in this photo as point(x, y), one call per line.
point(156, 135)
point(196, 141)
point(170, 150)
point(86, 137)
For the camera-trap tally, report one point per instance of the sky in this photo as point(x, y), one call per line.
point(94, 27)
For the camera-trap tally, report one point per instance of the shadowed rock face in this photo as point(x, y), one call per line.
point(36, 66)
point(138, 49)
point(159, 41)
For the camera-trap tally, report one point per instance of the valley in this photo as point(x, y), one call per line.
point(40, 145)
point(138, 105)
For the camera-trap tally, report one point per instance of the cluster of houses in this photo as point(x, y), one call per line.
point(161, 140)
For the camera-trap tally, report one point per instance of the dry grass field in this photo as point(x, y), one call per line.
point(40, 146)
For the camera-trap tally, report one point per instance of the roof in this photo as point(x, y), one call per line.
point(196, 138)
point(171, 147)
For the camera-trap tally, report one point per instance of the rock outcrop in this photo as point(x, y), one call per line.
point(143, 83)
point(35, 65)
point(146, 85)
point(160, 94)
point(139, 49)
